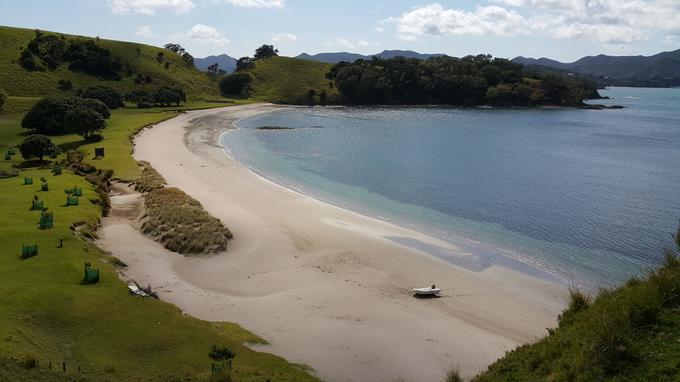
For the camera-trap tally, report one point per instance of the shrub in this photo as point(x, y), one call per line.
point(236, 84)
point(3, 98)
point(578, 301)
point(63, 84)
point(111, 97)
point(37, 146)
point(453, 375)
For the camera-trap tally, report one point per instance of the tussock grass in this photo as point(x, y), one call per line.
point(453, 375)
point(149, 180)
point(180, 223)
point(631, 333)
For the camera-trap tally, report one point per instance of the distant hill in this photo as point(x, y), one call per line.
point(137, 60)
point(227, 63)
point(334, 58)
point(289, 80)
point(661, 69)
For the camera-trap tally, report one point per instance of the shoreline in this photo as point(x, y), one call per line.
point(478, 250)
point(325, 285)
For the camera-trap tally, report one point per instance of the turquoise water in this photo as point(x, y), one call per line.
point(587, 196)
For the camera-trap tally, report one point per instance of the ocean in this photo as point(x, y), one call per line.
point(588, 197)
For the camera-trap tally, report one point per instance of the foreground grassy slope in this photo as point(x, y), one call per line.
point(114, 337)
point(631, 334)
point(141, 58)
point(47, 315)
point(288, 80)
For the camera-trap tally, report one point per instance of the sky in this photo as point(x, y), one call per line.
point(565, 30)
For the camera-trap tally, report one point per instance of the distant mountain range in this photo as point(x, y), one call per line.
point(661, 69)
point(334, 58)
point(227, 63)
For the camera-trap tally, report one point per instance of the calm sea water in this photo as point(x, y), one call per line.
point(588, 196)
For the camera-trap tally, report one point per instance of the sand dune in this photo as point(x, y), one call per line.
point(324, 285)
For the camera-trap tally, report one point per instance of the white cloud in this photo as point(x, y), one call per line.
point(257, 3)
point(347, 43)
point(612, 22)
point(207, 34)
point(434, 19)
point(148, 7)
point(283, 37)
point(144, 31)
point(379, 29)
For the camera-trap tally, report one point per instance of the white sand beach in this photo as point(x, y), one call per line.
point(323, 285)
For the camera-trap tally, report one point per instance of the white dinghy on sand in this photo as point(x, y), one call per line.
point(431, 291)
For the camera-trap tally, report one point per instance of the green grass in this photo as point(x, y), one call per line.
point(142, 60)
point(287, 80)
point(122, 125)
point(631, 333)
point(48, 315)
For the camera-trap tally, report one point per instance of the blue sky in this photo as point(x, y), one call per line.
point(562, 29)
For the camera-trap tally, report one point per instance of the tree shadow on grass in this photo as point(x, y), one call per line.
point(33, 163)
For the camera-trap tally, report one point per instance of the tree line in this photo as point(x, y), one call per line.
point(48, 51)
point(471, 80)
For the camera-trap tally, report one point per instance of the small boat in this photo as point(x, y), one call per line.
point(431, 291)
point(134, 289)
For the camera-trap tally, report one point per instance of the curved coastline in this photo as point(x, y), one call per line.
point(480, 259)
point(325, 285)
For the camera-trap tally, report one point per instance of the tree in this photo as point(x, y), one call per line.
point(213, 69)
point(37, 145)
point(167, 96)
point(47, 115)
point(85, 122)
point(96, 105)
point(266, 51)
point(160, 57)
point(173, 47)
point(188, 59)
point(111, 97)
point(235, 84)
point(142, 98)
point(245, 63)
point(3, 98)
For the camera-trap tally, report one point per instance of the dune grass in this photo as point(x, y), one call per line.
point(149, 180)
point(631, 333)
point(288, 80)
point(180, 223)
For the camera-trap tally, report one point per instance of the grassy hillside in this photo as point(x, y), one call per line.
point(631, 334)
point(140, 58)
point(288, 80)
point(48, 316)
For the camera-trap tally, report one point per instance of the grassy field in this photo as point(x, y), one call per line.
point(287, 80)
point(631, 333)
point(49, 316)
point(141, 59)
point(116, 143)
point(46, 314)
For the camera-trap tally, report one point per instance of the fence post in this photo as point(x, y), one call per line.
point(63, 366)
point(50, 365)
